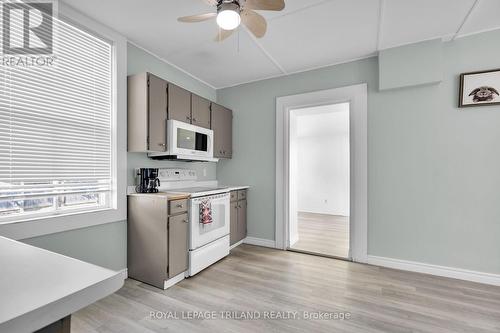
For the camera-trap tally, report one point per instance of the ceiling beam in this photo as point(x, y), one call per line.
point(459, 30)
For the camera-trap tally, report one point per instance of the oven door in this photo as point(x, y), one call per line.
point(189, 140)
point(202, 234)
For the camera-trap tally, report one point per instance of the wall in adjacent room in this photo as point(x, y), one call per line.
point(433, 174)
point(322, 173)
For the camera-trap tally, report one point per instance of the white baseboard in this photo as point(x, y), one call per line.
point(124, 273)
point(176, 279)
point(236, 244)
point(260, 242)
point(450, 272)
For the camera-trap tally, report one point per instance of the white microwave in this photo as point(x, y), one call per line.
point(187, 142)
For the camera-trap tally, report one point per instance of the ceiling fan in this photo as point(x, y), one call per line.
point(231, 13)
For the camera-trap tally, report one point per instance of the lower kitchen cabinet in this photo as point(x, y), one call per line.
point(178, 233)
point(238, 216)
point(233, 235)
point(242, 219)
point(157, 238)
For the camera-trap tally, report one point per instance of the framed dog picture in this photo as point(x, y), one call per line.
point(480, 88)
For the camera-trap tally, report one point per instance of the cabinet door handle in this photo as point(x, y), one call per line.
point(162, 144)
point(194, 119)
point(185, 221)
point(179, 206)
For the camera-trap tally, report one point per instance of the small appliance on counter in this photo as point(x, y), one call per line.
point(147, 180)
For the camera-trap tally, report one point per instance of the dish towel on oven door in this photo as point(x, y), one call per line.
point(205, 212)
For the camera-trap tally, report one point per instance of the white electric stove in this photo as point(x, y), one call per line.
point(208, 243)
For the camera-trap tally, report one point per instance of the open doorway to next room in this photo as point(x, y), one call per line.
point(320, 180)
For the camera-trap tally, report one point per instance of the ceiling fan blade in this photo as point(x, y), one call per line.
point(197, 18)
point(255, 22)
point(265, 4)
point(223, 34)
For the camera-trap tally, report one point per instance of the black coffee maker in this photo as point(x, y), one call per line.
point(148, 180)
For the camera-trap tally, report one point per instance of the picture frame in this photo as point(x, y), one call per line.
point(479, 88)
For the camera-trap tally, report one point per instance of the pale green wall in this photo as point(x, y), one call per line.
point(433, 169)
point(106, 245)
point(411, 65)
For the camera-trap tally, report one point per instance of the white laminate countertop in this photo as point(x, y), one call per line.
point(170, 195)
point(182, 193)
point(39, 287)
point(236, 187)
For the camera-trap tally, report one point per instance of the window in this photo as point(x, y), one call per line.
point(56, 129)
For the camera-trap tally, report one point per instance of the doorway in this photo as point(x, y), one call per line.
point(356, 97)
point(319, 182)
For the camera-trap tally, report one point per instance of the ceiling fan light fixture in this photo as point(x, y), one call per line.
point(228, 16)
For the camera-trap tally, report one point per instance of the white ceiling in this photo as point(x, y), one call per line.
point(307, 34)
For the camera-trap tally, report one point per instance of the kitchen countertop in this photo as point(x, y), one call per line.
point(237, 187)
point(182, 193)
point(169, 195)
point(199, 191)
point(39, 287)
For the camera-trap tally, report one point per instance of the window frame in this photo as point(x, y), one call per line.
point(27, 226)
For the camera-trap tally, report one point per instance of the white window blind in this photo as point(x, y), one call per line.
point(55, 129)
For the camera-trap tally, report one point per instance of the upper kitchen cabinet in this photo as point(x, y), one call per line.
point(152, 100)
point(179, 103)
point(147, 113)
point(222, 125)
point(200, 111)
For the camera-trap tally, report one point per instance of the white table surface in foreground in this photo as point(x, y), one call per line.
point(39, 287)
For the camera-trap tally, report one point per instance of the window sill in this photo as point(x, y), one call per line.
point(44, 225)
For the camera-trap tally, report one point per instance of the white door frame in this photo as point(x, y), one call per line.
point(357, 97)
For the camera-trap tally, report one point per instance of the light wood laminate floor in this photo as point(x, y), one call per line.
point(323, 234)
point(261, 279)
